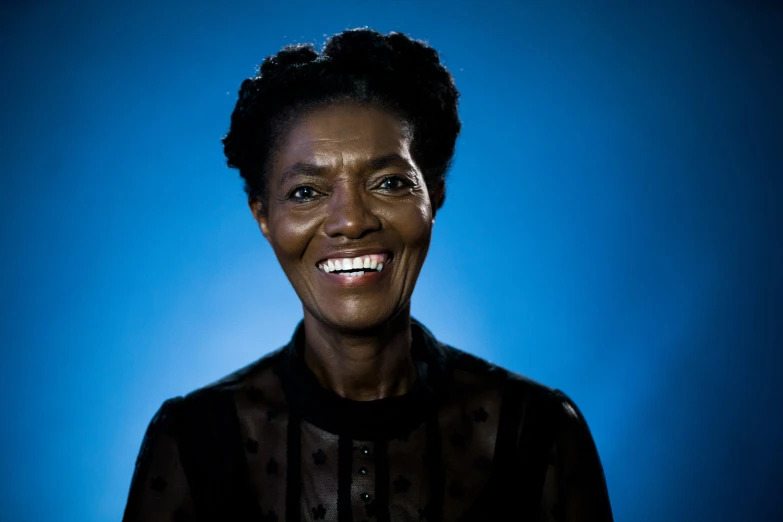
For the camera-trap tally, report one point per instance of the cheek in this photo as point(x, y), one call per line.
point(289, 237)
point(414, 224)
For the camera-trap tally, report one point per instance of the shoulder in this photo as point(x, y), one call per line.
point(247, 380)
point(253, 383)
point(469, 376)
point(468, 368)
point(240, 378)
point(472, 373)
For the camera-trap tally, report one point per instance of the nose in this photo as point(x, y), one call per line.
point(349, 213)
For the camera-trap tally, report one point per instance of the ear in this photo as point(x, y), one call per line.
point(259, 214)
point(437, 197)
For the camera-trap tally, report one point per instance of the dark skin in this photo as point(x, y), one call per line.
point(342, 183)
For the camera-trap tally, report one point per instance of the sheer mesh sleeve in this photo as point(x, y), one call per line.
point(159, 489)
point(574, 487)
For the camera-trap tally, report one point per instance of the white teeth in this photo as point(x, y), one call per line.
point(362, 264)
point(352, 274)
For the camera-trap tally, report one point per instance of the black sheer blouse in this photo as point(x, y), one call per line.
point(469, 442)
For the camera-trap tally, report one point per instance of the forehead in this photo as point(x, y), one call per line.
point(338, 135)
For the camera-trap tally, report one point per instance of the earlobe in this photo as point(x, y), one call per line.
point(264, 228)
point(259, 214)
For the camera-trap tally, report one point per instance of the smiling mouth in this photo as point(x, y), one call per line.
point(355, 266)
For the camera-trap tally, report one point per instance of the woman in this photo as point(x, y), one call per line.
point(364, 415)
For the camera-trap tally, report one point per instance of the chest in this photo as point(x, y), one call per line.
point(439, 470)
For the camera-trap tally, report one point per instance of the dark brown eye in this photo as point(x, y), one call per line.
point(393, 183)
point(303, 194)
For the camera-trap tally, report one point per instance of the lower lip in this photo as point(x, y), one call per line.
point(368, 278)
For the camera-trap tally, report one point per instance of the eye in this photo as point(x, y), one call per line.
point(392, 183)
point(303, 194)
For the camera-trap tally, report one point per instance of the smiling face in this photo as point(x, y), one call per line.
point(349, 215)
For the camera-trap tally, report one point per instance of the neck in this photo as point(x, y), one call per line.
point(362, 366)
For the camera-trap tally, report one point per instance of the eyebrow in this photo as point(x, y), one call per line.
point(383, 162)
point(301, 168)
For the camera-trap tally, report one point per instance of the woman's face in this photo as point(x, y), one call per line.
point(349, 216)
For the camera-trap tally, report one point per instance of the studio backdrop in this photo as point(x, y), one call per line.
point(612, 228)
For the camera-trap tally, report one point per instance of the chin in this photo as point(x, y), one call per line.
point(357, 318)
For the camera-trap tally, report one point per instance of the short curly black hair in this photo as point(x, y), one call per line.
point(392, 71)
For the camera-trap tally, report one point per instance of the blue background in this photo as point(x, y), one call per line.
point(612, 228)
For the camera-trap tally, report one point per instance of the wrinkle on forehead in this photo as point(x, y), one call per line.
point(338, 136)
point(335, 140)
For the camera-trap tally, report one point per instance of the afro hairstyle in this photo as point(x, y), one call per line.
point(394, 72)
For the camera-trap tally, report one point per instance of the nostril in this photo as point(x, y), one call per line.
point(354, 224)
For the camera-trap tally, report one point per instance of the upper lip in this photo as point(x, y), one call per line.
point(354, 252)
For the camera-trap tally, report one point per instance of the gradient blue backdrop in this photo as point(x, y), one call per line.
point(612, 228)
